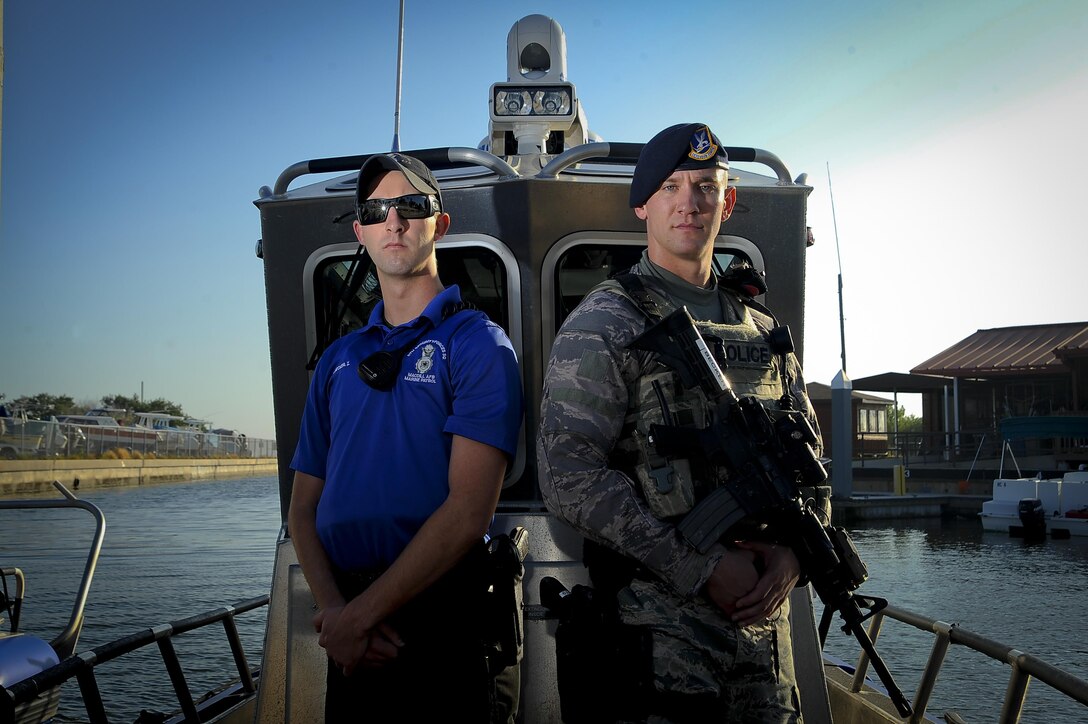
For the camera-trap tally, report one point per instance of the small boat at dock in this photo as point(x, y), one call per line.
point(1039, 507)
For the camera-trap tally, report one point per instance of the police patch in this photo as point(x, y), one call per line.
point(702, 146)
point(751, 353)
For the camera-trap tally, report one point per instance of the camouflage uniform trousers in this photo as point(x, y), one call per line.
point(746, 674)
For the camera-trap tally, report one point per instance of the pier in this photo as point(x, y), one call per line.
point(33, 477)
point(884, 506)
point(885, 489)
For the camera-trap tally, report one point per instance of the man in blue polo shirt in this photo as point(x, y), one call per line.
point(409, 425)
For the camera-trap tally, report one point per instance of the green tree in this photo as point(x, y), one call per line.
point(907, 423)
point(42, 405)
point(135, 404)
point(161, 405)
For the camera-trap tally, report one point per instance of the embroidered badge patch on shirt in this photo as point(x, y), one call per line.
point(426, 360)
point(430, 351)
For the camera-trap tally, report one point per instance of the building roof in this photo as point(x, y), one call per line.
point(900, 382)
point(820, 391)
point(1033, 349)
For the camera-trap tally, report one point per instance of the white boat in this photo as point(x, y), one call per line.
point(102, 431)
point(179, 435)
point(1059, 504)
point(22, 436)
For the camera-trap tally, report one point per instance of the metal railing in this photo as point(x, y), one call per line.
point(1025, 667)
point(50, 439)
point(81, 667)
point(65, 643)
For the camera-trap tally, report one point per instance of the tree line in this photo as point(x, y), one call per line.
point(43, 405)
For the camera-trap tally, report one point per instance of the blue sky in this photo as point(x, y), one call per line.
point(136, 135)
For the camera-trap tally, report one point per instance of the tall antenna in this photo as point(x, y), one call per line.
point(400, 57)
point(838, 254)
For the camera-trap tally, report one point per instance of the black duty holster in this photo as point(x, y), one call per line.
point(604, 667)
point(508, 554)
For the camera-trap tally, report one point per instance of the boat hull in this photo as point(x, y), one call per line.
point(1056, 527)
point(1064, 502)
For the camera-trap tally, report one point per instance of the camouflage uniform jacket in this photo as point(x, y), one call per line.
point(589, 387)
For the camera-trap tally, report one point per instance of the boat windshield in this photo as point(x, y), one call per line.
point(344, 297)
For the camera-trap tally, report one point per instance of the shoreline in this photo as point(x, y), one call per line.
point(35, 477)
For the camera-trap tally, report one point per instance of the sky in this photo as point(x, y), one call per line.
point(136, 136)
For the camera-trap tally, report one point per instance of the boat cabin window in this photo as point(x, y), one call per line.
point(585, 266)
point(346, 289)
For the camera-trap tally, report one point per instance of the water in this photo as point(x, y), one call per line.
point(170, 551)
point(175, 550)
point(1029, 596)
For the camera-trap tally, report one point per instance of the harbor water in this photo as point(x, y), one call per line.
point(1026, 595)
point(179, 549)
point(170, 551)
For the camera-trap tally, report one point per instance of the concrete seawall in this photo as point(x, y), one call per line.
point(32, 477)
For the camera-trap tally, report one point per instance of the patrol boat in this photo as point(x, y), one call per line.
point(540, 217)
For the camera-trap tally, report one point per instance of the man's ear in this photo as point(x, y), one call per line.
point(441, 225)
point(358, 229)
point(730, 201)
point(640, 212)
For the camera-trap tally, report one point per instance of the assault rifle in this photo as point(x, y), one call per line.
point(768, 459)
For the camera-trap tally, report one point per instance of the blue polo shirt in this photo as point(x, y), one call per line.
point(384, 456)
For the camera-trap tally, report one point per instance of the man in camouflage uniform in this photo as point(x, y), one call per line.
point(714, 625)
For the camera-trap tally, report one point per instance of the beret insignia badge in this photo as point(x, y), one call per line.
point(702, 147)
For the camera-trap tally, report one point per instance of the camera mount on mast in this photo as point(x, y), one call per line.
point(536, 112)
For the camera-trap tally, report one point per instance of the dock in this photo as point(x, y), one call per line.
point(886, 489)
point(883, 506)
point(35, 477)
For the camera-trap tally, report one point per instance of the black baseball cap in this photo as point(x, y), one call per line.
point(417, 173)
point(677, 148)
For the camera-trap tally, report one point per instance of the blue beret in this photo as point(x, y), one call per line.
point(677, 148)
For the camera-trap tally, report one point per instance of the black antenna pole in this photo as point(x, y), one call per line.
point(400, 56)
point(834, 221)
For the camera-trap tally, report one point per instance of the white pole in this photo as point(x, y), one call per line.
point(835, 223)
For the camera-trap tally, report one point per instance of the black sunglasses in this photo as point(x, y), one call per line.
point(411, 206)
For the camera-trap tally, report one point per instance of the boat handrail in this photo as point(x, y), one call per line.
point(20, 592)
point(1024, 665)
point(65, 643)
point(81, 666)
point(628, 153)
point(435, 158)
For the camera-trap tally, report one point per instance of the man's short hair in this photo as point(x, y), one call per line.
point(677, 148)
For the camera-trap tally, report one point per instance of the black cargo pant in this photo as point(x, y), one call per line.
point(441, 673)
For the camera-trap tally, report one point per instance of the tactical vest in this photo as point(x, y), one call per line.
point(673, 486)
